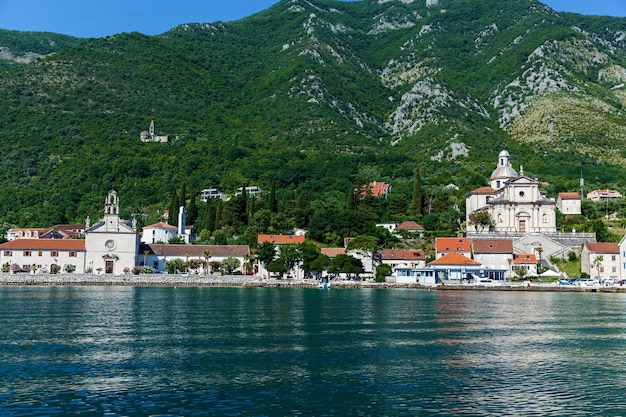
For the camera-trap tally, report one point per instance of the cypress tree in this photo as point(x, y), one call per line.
point(417, 202)
point(173, 216)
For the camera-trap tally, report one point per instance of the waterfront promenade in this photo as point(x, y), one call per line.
point(175, 280)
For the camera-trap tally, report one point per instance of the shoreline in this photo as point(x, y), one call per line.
point(245, 281)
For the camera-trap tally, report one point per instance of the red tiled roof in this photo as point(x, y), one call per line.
point(332, 252)
point(44, 244)
point(525, 258)
point(569, 196)
point(454, 259)
point(483, 190)
point(452, 244)
point(492, 246)
point(410, 226)
point(160, 225)
point(197, 250)
point(376, 188)
point(603, 247)
point(397, 254)
point(280, 239)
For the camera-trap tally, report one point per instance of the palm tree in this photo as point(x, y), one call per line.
point(597, 262)
point(207, 256)
point(145, 257)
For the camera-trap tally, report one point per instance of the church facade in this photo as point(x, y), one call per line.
point(111, 245)
point(515, 202)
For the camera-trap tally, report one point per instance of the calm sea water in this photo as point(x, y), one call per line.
point(123, 351)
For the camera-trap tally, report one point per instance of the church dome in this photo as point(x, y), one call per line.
point(504, 171)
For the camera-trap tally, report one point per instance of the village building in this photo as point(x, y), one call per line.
point(112, 244)
point(446, 245)
point(209, 193)
point(601, 260)
point(44, 255)
point(569, 203)
point(603, 195)
point(159, 233)
point(526, 262)
point(207, 257)
point(496, 256)
point(375, 188)
point(515, 202)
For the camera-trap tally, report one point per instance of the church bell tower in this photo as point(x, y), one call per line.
point(112, 212)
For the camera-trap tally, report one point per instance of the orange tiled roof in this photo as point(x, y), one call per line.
point(397, 254)
point(525, 258)
point(332, 252)
point(44, 244)
point(492, 246)
point(603, 247)
point(160, 225)
point(454, 259)
point(280, 239)
point(483, 190)
point(410, 225)
point(452, 244)
point(376, 188)
point(569, 196)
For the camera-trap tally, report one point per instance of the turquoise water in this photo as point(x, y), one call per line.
point(124, 351)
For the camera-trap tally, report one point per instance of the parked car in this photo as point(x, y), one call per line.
point(586, 282)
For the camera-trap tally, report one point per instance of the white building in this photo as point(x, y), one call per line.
point(155, 255)
point(569, 203)
point(515, 202)
point(158, 233)
point(209, 193)
point(496, 256)
point(111, 245)
point(39, 255)
point(601, 260)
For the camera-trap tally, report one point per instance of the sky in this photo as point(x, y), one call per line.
point(91, 18)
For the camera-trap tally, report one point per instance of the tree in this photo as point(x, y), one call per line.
point(417, 201)
point(382, 271)
point(207, 255)
point(481, 219)
point(597, 262)
point(277, 266)
point(366, 246)
point(291, 254)
point(346, 264)
point(266, 252)
point(320, 264)
point(431, 221)
point(174, 266)
point(229, 265)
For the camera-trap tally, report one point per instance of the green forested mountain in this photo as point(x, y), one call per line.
point(313, 98)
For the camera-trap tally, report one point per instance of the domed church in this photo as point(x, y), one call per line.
point(515, 202)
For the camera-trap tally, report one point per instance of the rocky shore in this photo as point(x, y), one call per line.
point(166, 280)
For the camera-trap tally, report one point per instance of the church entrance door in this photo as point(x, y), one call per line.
point(108, 267)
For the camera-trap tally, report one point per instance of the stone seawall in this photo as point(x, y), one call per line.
point(165, 280)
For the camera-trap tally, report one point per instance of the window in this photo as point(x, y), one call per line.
point(54, 253)
point(72, 254)
point(613, 257)
point(614, 269)
point(40, 253)
point(27, 253)
point(10, 253)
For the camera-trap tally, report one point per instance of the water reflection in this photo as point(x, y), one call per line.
point(275, 352)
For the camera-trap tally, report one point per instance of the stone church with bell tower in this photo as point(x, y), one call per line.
point(111, 245)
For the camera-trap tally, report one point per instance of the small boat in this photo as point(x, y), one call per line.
point(324, 284)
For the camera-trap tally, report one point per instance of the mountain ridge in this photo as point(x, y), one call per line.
point(372, 88)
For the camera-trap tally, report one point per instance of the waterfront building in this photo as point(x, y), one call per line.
point(156, 255)
point(446, 245)
point(601, 260)
point(494, 255)
point(44, 255)
point(111, 244)
point(569, 203)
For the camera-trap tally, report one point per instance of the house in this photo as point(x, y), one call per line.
point(496, 256)
point(333, 252)
point(25, 233)
point(402, 262)
point(446, 245)
point(601, 260)
point(526, 262)
point(375, 188)
point(278, 241)
point(209, 193)
point(159, 233)
point(411, 228)
point(252, 191)
point(111, 245)
point(514, 202)
point(156, 255)
point(43, 254)
point(454, 267)
point(569, 203)
point(603, 195)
